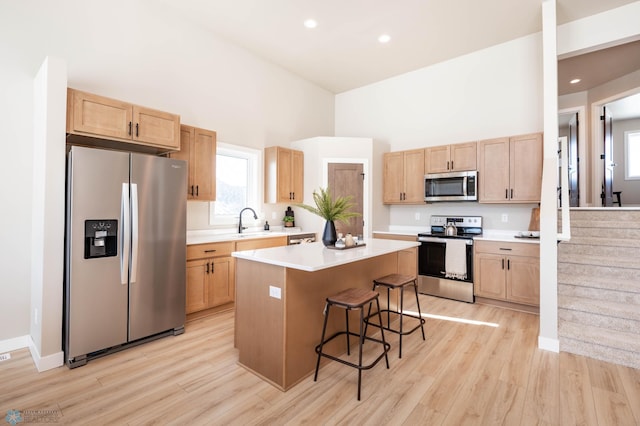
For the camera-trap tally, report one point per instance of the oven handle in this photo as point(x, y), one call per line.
point(468, 241)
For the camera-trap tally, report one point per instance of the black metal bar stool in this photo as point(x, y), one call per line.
point(352, 299)
point(397, 281)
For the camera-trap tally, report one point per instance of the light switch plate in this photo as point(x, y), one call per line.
point(275, 292)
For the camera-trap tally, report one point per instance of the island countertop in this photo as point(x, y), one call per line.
point(313, 257)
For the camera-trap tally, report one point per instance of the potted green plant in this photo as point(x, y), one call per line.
point(288, 221)
point(331, 210)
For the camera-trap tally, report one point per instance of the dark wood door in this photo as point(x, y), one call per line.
point(607, 184)
point(574, 161)
point(347, 179)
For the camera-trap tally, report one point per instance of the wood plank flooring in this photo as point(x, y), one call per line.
point(485, 371)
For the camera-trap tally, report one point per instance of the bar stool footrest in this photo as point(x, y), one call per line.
point(386, 345)
point(390, 311)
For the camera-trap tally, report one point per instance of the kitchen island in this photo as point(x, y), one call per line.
point(280, 298)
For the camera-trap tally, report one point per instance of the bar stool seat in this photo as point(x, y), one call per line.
point(352, 299)
point(400, 282)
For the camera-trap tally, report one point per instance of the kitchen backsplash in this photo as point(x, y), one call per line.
point(517, 216)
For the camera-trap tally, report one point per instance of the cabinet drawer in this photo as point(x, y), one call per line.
point(504, 248)
point(199, 251)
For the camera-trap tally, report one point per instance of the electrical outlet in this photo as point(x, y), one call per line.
point(505, 217)
point(417, 216)
point(275, 292)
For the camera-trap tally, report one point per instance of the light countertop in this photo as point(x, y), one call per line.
point(315, 256)
point(212, 236)
point(487, 234)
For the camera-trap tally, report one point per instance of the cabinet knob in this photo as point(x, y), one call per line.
point(130, 124)
point(208, 267)
point(137, 127)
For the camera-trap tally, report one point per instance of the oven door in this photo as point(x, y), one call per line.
point(432, 254)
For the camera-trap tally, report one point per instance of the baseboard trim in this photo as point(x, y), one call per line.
point(45, 363)
point(547, 344)
point(14, 344)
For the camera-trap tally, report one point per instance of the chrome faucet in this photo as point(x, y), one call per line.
point(240, 228)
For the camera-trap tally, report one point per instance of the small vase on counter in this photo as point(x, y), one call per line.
point(349, 241)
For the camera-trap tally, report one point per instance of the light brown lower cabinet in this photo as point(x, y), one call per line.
point(211, 271)
point(508, 272)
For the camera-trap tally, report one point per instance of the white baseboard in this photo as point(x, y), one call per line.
point(14, 344)
point(45, 363)
point(547, 344)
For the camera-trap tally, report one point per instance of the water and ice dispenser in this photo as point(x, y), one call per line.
point(100, 238)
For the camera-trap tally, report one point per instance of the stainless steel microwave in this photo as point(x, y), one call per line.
point(451, 186)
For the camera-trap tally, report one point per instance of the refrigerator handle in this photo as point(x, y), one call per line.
point(125, 233)
point(134, 232)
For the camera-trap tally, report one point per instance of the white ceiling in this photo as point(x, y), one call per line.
point(343, 53)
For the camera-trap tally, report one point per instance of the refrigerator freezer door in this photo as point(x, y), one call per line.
point(157, 292)
point(95, 298)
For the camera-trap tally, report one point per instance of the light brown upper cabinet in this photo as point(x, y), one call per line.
point(198, 148)
point(403, 177)
point(510, 169)
point(105, 118)
point(451, 158)
point(283, 175)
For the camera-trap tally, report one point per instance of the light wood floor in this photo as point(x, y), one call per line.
point(487, 372)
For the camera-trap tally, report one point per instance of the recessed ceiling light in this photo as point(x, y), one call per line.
point(575, 80)
point(310, 23)
point(384, 38)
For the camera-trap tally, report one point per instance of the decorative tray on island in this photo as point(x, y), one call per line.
point(332, 247)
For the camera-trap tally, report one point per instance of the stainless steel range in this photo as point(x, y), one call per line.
point(445, 257)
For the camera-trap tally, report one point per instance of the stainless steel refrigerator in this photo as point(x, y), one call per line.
point(125, 251)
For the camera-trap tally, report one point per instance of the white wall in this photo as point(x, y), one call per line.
point(318, 152)
point(138, 52)
point(489, 93)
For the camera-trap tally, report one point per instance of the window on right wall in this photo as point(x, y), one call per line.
point(632, 155)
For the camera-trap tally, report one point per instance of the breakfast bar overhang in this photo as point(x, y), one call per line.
point(280, 298)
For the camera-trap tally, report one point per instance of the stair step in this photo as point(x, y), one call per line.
point(596, 273)
point(603, 353)
point(602, 242)
point(599, 260)
point(600, 336)
point(599, 283)
point(602, 307)
point(611, 233)
point(606, 215)
point(598, 320)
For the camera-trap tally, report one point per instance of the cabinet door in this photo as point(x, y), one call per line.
point(221, 282)
point(156, 127)
point(284, 174)
point(523, 280)
point(203, 164)
point(525, 168)
point(99, 115)
point(464, 156)
point(493, 171)
point(414, 176)
point(186, 136)
point(197, 289)
point(437, 159)
point(297, 176)
point(393, 177)
point(490, 276)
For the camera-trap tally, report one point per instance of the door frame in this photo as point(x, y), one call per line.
point(582, 149)
point(597, 133)
point(366, 187)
